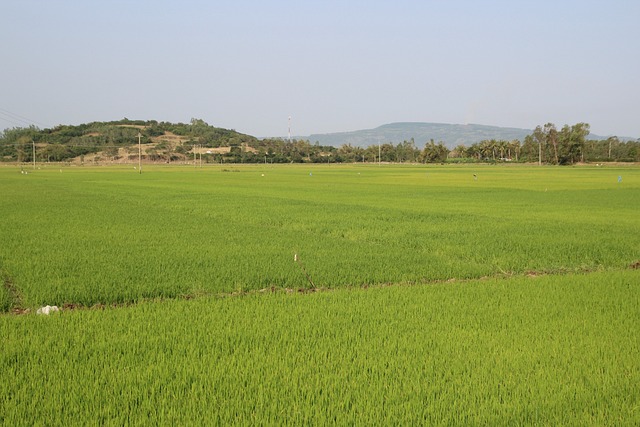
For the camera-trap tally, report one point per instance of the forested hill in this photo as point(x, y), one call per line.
point(451, 135)
point(67, 141)
point(128, 141)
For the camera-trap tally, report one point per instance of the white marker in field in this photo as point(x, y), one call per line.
point(47, 310)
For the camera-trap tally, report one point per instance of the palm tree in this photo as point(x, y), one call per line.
point(461, 151)
point(515, 146)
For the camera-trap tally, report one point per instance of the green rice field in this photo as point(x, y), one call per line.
point(429, 295)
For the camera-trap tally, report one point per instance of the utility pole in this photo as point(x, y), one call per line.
point(379, 153)
point(139, 153)
point(34, 154)
point(539, 153)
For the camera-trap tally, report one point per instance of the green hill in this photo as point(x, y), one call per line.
point(450, 134)
point(163, 140)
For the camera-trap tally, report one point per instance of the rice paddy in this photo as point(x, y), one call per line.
point(449, 295)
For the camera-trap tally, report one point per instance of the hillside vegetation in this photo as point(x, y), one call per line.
point(129, 141)
point(161, 140)
point(451, 135)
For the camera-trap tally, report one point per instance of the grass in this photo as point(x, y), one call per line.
point(506, 299)
point(551, 350)
point(103, 235)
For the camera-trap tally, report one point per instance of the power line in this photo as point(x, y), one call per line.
point(62, 144)
point(9, 120)
point(13, 117)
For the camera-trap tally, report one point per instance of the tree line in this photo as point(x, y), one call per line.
point(549, 145)
point(546, 145)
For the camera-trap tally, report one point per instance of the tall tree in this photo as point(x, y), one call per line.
point(540, 138)
point(513, 149)
point(434, 153)
point(551, 135)
point(579, 133)
point(571, 144)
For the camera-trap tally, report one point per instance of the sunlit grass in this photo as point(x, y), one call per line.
point(512, 299)
point(101, 235)
point(548, 350)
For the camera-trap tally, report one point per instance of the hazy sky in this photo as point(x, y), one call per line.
point(331, 65)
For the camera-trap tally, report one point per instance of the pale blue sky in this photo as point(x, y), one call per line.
point(332, 65)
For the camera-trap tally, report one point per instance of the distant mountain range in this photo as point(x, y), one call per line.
point(450, 134)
